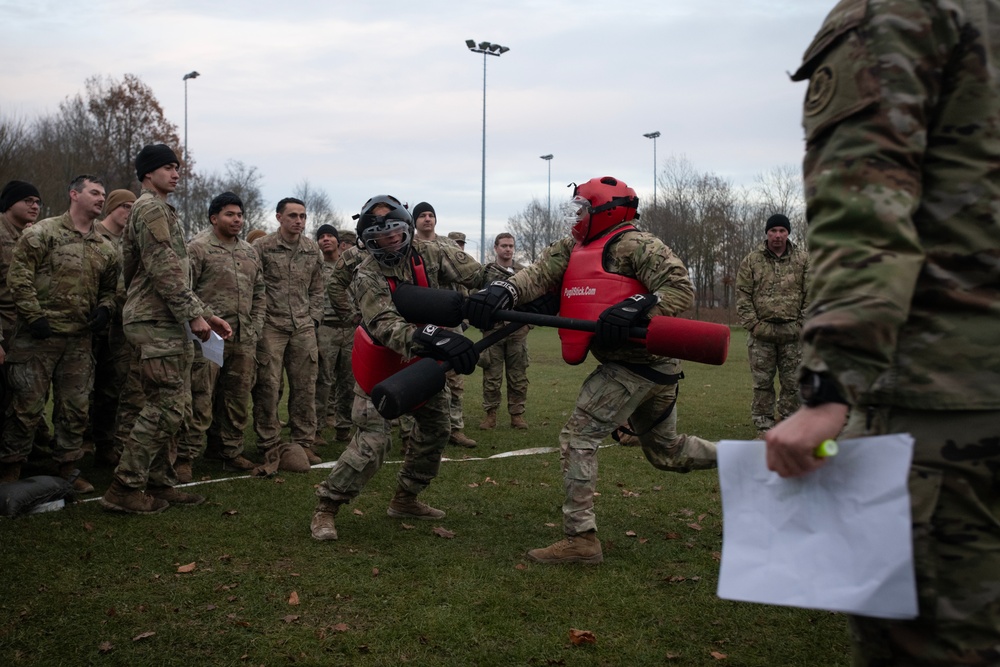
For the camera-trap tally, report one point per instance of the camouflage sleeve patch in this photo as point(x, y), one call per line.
point(158, 225)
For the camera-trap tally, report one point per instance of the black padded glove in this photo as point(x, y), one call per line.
point(444, 345)
point(40, 328)
point(546, 304)
point(480, 306)
point(614, 323)
point(99, 318)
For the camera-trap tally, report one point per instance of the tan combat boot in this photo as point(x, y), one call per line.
point(238, 463)
point(490, 421)
point(121, 498)
point(460, 439)
point(184, 471)
point(9, 472)
point(69, 471)
point(404, 505)
point(175, 496)
point(322, 525)
point(517, 421)
point(583, 548)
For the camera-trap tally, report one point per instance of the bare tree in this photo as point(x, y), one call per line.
point(318, 207)
point(241, 179)
point(534, 228)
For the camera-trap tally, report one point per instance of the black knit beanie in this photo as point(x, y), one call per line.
point(422, 207)
point(778, 220)
point(152, 157)
point(327, 229)
point(14, 192)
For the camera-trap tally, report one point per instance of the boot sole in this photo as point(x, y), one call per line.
point(396, 514)
point(111, 507)
point(589, 560)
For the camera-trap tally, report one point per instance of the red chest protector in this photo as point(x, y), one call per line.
point(588, 289)
point(373, 362)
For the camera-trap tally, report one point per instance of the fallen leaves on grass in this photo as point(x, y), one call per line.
point(357, 512)
point(406, 526)
point(105, 647)
point(718, 656)
point(671, 536)
point(340, 627)
point(230, 512)
point(143, 635)
point(87, 526)
point(694, 526)
point(293, 598)
point(630, 533)
point(291, 618)
point(520, 566)
point(474, 485)
point(184, 569)
point(581, 637)
point(443, 532)
point(375, 572)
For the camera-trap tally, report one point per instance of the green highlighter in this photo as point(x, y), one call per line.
point(826, 449)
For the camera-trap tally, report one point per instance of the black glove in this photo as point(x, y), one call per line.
point(40, 328)
point(99, 318)
point(480, 306)
point(614, 323)
point(444, 345)
point(546, 304)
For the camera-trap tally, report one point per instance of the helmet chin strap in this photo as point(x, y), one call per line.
point(627, 202)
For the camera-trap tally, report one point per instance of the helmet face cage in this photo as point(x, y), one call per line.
point(387, 236)
point(611, 202)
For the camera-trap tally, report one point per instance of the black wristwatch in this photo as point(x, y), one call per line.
point(817, 389)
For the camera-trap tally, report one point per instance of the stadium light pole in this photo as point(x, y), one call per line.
point(653, 136)
point(487, 49)
point(187, 182)
point(548, 159)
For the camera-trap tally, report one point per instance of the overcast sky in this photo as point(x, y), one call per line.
point(364, 98)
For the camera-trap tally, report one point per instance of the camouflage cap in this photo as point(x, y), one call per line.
point(457, 237)
point(347, 236)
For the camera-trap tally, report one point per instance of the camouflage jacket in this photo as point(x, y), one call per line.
point(635, 254)
point(771, 293)
point(902, 191)
point(9, 234)
point(120, 289)
point(444, 264)
point(155, 267)
point(338, 293)
point(62, 275)
point(229, 279)
point(293, 274)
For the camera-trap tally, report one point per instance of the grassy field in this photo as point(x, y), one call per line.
point(238, 581)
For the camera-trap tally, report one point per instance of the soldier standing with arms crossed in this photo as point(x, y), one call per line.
point(902, 187)
point(160, 311)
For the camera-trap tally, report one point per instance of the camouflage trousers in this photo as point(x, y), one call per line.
point(955, 501)
point(130, 400)
point(511, 352)
point(32, 366)
point(366, 452)
point(334, 378)
point(297, 355)
point(111, 363)
point(456, 393)
point(766, 360)
point(162, 363)
point(220, 403)
point(611, 396)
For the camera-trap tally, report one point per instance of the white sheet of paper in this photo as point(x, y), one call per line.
point(212, 349)
point(837, 539)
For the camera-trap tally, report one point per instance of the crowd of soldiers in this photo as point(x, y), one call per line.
point(64, 302)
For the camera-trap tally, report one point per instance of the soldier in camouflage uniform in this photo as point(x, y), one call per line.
point(385, 229)
point(511, 352)
point(20, 203)
point(425, 224)
point(111, 351)
point(62, 277)
point(605, 258)
point(161, 311)
point(332, 337)
point(770, 299)
point(902, 145)
point(338, 412)
point(227, 276)
point(293, 276)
